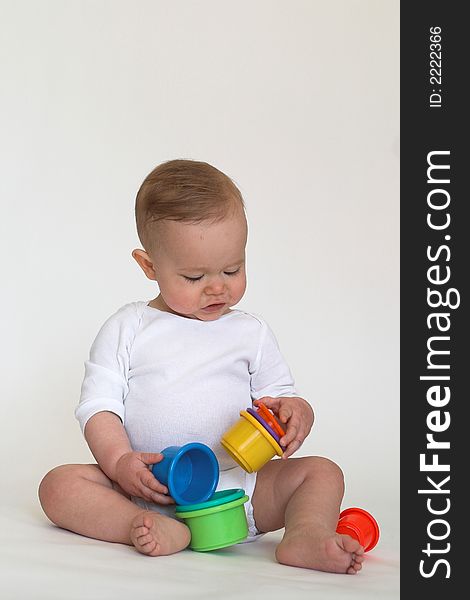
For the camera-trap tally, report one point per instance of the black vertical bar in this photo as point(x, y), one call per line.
point(435, 259)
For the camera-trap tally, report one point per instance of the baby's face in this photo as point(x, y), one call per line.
point(200, 269)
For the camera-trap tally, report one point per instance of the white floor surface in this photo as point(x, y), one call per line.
point(39, 561)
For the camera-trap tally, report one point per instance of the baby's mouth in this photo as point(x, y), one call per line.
point(214, 306)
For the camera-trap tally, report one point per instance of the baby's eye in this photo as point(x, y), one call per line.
point(232, 272)
point(192, 279)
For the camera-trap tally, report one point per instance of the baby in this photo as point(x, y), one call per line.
point(178, 369)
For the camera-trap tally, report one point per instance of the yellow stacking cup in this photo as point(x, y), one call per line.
point(249, 444)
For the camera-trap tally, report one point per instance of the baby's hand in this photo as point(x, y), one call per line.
point(135, 478)
point(294, 412)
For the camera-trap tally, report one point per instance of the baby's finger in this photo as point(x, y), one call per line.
point(155, 497)
point(292, 432)
point(160, 498)
point(285, 413)
point(291, 448)
point(272, 403)
point(151, 458)
point(150, 481)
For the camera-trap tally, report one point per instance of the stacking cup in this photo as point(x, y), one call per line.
point(360, 525)
point(249, 443)
point(260, 419)
point(217, 523)
point(191, 472)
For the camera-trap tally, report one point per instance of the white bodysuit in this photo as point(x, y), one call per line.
point(174, 380)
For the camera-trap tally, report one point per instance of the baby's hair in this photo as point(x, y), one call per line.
point(184, 190)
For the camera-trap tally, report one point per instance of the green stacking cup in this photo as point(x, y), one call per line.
point(220, 524)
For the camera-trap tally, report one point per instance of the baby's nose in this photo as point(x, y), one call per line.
point(215, 286)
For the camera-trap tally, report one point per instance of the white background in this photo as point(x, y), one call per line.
point(296, 101)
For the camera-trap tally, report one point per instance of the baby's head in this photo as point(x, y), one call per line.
point(191, 223)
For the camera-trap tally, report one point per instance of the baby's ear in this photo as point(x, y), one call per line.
point(145, 263)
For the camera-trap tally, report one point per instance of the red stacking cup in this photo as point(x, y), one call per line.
point(360, 525)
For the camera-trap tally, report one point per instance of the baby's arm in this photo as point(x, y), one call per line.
point(108, 441)
point(272, 383)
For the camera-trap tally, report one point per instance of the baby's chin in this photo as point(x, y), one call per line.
point(201, 314)
point(209, 318)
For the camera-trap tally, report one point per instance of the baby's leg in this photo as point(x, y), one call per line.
point(82, 498)
point(304, 496)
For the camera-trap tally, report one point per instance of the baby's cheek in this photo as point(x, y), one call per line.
point(239, 289)
point(188, 301)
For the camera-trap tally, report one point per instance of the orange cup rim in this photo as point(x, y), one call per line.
point(268, 416)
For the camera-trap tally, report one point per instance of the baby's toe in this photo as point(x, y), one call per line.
point(140, 531)
point(148, 521)
point(149, 546)
point(359, 558)
point(356, 566)
point(138, 521)
point(145, 539)
point(351, 545)
point(351, 571)
point(143, 519)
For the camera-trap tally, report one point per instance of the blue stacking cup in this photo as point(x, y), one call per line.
point(191, 472)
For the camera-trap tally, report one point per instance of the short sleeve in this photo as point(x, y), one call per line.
point(105, 387)
point(271, 375)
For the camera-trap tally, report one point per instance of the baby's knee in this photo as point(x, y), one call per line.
point(51, 481)
point(318, 466)
point(54, 486)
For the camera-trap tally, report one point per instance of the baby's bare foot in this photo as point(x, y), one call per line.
point(158, 535)
point(335, 553)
